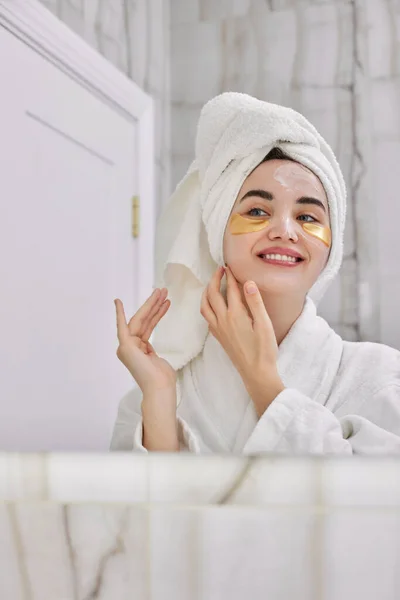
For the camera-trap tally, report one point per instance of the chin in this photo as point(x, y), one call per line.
point(278, 283)
point(277, 289)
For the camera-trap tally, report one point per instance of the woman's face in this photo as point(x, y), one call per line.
point(272, 210)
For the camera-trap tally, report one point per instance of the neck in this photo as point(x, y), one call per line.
point(283, 311)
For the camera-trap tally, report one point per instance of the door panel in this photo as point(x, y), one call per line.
point(68, 171)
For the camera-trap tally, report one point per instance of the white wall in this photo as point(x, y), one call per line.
point(337, 62)
point(134, 36)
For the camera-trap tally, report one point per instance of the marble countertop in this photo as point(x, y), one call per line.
point(176, 526)
point(184, 479)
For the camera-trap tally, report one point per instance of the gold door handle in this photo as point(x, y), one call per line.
point(135, 216)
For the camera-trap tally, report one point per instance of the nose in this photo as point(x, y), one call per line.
point(282, 228)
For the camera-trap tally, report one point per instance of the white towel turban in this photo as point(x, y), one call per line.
point(234, 134)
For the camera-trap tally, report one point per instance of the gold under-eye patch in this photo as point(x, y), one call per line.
point(239, 224)
point(319, 231)
point(242, 224)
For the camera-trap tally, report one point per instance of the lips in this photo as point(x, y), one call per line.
point(282, 251)
point(280, 263)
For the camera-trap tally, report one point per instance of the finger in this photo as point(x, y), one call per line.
point(155, 319)
point(233, 291)
point(256, 304)
point(215, 298)
point(161, 298)
point(206, 309)
point(153, 310)
point(138, 320)
point(122, 327)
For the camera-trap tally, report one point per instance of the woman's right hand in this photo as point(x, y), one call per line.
point(151, 372)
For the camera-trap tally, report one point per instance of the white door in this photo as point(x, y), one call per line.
point(68, 161)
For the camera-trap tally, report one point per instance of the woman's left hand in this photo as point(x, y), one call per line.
point(249, 341)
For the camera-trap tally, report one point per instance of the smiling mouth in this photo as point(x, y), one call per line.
point(281, 261)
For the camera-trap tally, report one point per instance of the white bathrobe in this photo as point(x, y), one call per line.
point(340, 398)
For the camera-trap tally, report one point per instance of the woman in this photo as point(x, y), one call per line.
point(246, 247)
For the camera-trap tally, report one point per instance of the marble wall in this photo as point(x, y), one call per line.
point(337, 62)
point(134, 36)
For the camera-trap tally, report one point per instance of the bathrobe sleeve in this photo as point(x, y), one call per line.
point(294, 423)
point(128, 429)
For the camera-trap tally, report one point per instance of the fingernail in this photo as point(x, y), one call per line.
point(251, 288)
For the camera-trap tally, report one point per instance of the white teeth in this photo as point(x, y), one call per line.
point(284, 257)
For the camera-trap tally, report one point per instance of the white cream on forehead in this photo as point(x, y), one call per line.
point(294, 176)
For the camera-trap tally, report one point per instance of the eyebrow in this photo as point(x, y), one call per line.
point(268, 196)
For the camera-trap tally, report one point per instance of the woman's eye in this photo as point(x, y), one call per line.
point(253, 215)
point(305, 218)
point(313, 220)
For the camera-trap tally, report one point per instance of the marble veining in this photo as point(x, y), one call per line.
point(181, 526)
